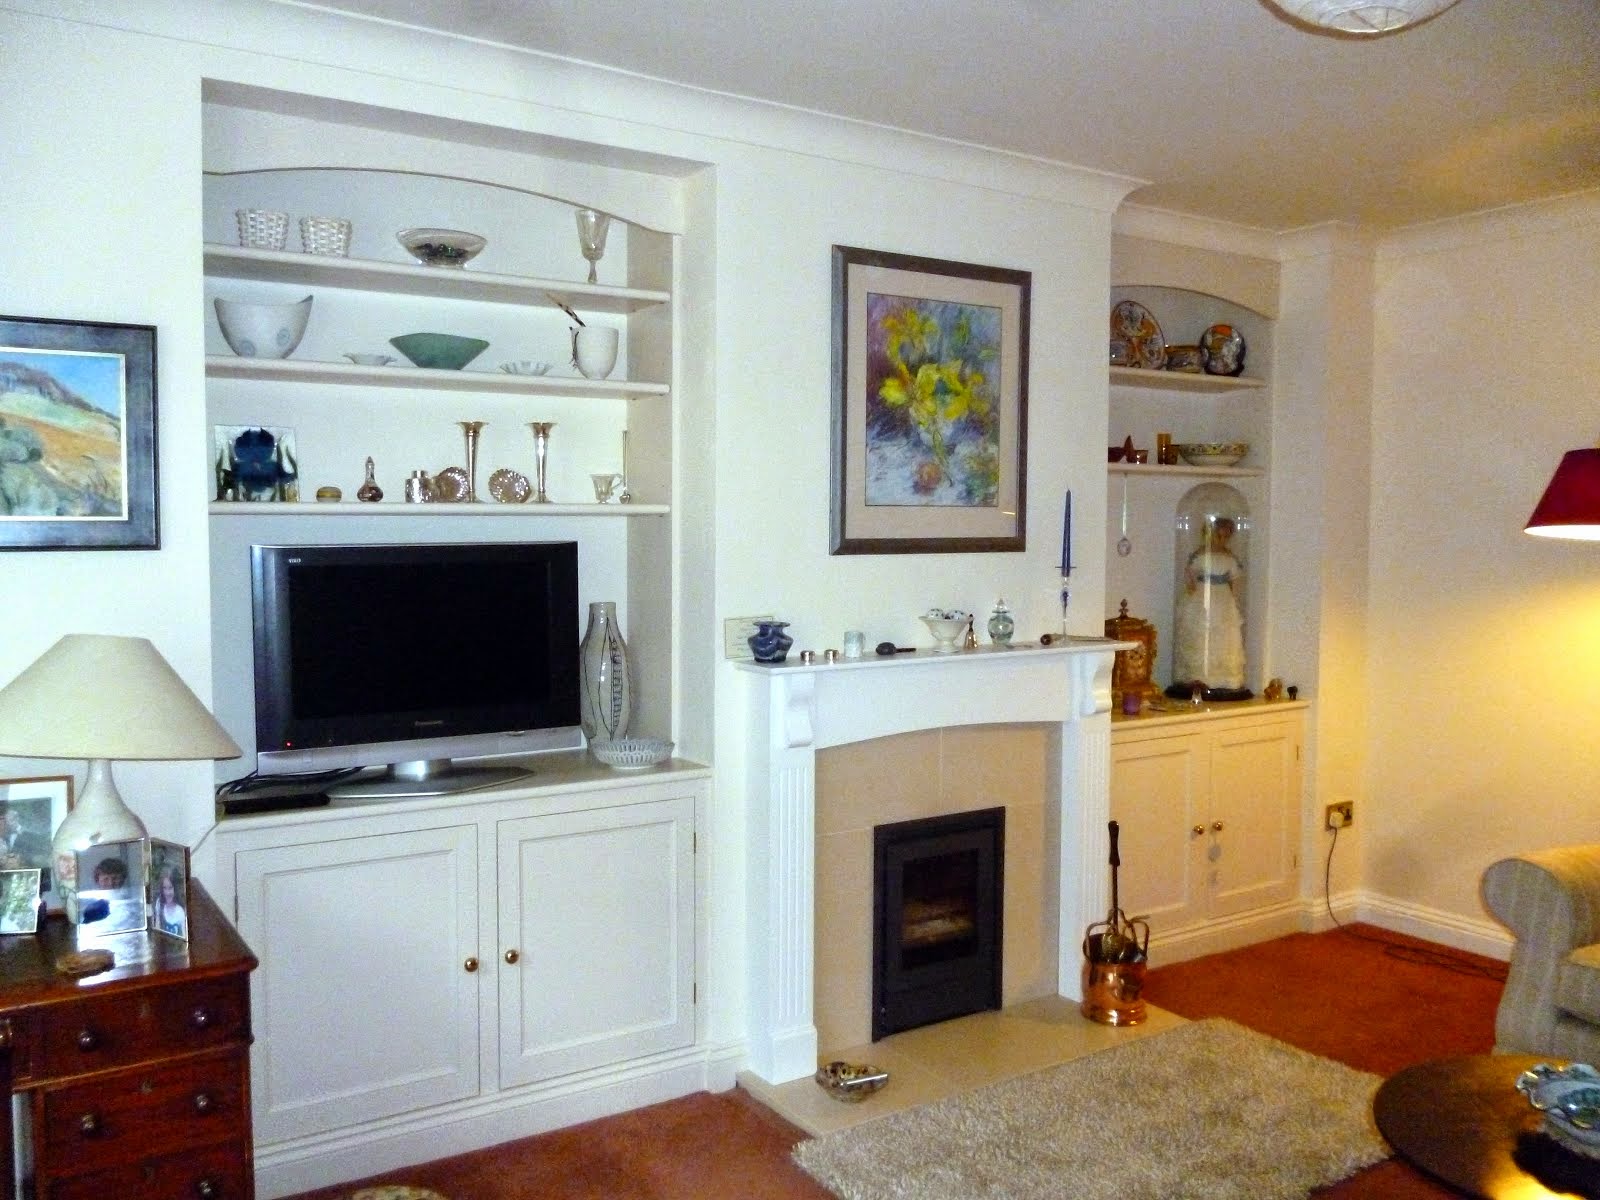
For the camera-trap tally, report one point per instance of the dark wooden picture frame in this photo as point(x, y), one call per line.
point(77, 435)
point(930, 405)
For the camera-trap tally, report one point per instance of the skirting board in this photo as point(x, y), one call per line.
point(323, 1160)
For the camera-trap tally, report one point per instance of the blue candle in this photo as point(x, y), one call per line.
point(1066, 537)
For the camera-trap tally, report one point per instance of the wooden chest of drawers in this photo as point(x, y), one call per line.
point(139, 1077)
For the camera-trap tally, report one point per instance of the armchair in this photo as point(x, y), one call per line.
point(1550, 899)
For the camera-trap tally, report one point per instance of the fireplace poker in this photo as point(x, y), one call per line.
point(1117, 939)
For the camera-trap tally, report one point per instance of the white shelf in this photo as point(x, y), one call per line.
point(228, 366)
point(1184, 469)
point(1182, 381)
point(454, 283)
point(399, 508)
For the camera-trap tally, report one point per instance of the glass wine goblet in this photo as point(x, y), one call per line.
point(592, 229)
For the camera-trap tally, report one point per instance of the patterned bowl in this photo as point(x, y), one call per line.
point(444, 351)
point(1569, 1098)
point(441, 247)
point(947, 625)
point(1212, 454)
point(631, 754)
point(850, 1082)
point(262, 330)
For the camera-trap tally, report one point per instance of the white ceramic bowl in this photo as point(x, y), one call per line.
point(526, 366)
point(1212, 454)
point(262, 330)
point(946, 626)
point(631, 754)
point(441, 247)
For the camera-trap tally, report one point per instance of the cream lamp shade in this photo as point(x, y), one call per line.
point(99, 698)
point(1570, 506)
point(1364, 18)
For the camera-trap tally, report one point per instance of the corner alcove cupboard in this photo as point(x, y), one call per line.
point(1175, 778)
point(543, 936)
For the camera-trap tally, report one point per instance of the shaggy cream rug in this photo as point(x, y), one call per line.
point(1207, 1111)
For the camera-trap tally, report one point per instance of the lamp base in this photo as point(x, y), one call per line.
point(98, 818)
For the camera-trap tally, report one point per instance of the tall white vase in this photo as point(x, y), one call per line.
point(605, 676)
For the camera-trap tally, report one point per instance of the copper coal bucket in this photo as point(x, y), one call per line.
point(1112, 992)
point(1116, 954)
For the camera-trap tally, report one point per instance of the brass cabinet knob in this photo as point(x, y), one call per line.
point(471, 964)
point(1216, 826)
point(89, 1124)
point(1198, 830)
point(512, 956)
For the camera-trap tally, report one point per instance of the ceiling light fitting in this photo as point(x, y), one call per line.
point(1365, 18)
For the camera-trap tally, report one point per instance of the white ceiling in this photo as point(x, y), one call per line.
point(1227, 109)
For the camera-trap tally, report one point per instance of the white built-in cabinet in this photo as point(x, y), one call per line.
point(467, 966)
point(1208, 805)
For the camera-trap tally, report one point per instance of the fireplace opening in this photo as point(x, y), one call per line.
point(938, 888)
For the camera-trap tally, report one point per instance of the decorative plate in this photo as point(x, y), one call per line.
point(631, 754)
point(1223, 349)
point(1133, 323)
point(450, 485)
point(1212, 454)
point(510, 487)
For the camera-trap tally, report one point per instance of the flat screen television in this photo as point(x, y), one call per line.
point(410, 657)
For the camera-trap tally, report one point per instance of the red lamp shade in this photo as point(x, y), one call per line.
point(1570, 506)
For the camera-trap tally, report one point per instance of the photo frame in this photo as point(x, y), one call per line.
point(930, 405)
point(113, 891)
point(19, 901)
point(78, 431)
point(169, 871)
point(30, 812)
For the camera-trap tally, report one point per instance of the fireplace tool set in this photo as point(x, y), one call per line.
point(1115, 956)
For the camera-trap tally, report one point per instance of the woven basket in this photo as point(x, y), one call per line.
point(261, 228)
point(325, 235)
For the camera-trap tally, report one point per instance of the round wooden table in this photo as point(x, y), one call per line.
point(1463, 1121)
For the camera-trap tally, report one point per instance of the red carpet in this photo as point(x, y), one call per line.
point(1362, 997)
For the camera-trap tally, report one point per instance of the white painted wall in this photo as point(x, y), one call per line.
point(1484, 643)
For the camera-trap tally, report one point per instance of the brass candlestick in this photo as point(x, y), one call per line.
point(541, 452)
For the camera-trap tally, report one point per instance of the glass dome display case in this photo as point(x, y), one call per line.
point(1211, 544)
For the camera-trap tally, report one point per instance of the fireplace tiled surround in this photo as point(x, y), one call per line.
point(905, 777)
point(962, 702)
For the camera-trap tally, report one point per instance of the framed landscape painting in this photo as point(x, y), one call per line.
point(77, 435)
point(930, 405)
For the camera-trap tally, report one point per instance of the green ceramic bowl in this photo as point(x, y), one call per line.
point(445, 351)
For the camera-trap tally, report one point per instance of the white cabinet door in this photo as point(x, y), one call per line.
point(1255, 792)
point(1158, 794)
point(363, 1006)
point(596, 922)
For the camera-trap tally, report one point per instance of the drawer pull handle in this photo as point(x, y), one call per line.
point(207, 1188)
point(512, 956)
point(88, 1039)
point(471, 965)
point(200, 1018)
point(89, 1125)
point(1216, 826)
point(203, 1103)
point(1198, 830)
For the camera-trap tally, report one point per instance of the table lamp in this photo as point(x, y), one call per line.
point(1570, 506)
point(99, 698)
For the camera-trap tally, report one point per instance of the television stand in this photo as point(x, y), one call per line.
point(432, 777)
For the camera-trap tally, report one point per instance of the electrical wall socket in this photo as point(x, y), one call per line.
point(1340, 815)
point(736, 631)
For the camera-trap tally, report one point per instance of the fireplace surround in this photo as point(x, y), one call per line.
point(796, 709)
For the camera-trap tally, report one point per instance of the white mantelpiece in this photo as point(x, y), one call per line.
point(796, 710)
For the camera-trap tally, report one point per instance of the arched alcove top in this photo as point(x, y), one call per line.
point(1237, 279)
point(255, 130)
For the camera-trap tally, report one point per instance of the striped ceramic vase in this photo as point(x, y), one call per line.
point(605, 676)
